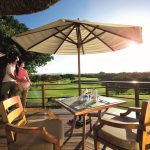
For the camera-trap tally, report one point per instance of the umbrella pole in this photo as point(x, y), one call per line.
point(79, 76)
point(79, 73)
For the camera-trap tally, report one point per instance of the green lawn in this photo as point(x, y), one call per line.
point(65, 88)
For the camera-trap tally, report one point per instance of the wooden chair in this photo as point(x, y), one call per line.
point(46, 134)
point(124, 133)
point(113, 112)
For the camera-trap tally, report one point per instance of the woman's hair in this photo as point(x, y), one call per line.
point(20, 62)
point(18, 65)
point(12, 56)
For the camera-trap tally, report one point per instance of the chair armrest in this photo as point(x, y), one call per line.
point(145, 127)
point(41, 131)
point(131, 109)
point(119, 124)
point(40, 110)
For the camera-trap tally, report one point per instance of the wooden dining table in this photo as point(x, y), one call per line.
point(79, 108)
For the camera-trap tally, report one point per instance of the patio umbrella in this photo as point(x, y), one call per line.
point(19, 7)
point(78, 37)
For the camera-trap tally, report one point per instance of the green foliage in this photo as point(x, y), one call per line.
point(70, 76)
point(8, 28)
point(125, 76)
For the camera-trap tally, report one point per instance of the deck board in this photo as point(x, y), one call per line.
point(73, 143)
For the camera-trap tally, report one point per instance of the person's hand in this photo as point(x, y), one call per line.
point(30, 83)
point(22, 80)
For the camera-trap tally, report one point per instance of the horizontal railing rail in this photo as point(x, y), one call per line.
point(107, 86)
point(44, 89)
point(135, 85)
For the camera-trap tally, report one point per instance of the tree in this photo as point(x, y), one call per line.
point(8, 28)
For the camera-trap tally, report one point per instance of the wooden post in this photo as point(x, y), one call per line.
point(136, 92)
point(107, 92)
point(79, 73)
point(43, 95)
point(78, 49)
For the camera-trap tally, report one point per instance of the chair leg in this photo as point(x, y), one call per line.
point(96, 143)
point(62, 147)
point(90, 122)
point(73, 125)
point(56, 147)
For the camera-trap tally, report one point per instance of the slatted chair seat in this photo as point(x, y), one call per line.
point(34, 142)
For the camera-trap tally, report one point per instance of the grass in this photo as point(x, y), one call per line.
point(65, 88)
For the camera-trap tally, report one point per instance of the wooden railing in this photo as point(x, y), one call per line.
point(136, 85)
point(107, 85)
point(43, 88)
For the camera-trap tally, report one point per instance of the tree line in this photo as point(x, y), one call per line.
point(102, 76)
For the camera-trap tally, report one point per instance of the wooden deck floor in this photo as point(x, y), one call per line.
point(75, 142)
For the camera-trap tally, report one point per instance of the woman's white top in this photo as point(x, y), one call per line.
point(10, 69)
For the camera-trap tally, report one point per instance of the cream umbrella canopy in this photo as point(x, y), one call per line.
point(71, 37)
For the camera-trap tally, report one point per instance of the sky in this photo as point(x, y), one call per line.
point(135, 58)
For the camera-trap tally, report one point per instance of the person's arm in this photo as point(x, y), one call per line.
point(29, 80)
point(27, 77)
point(15, 78)
point(9, 72)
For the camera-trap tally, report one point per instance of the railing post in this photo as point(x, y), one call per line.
point(107, 92)
point(43, 95)
point(136, 92)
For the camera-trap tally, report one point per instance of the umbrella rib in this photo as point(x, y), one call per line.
point(112, 33)
point(47, 38)
point(100, 39)
point(93, 38)
point(64, 40)
point(66, 37)
point(23, 34)
point(102, 29)
point(89, 33)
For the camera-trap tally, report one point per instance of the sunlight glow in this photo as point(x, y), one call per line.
point(134, 81)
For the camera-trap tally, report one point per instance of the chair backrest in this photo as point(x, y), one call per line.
point(143, 134)
point(12, 113)
point(145, 114)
